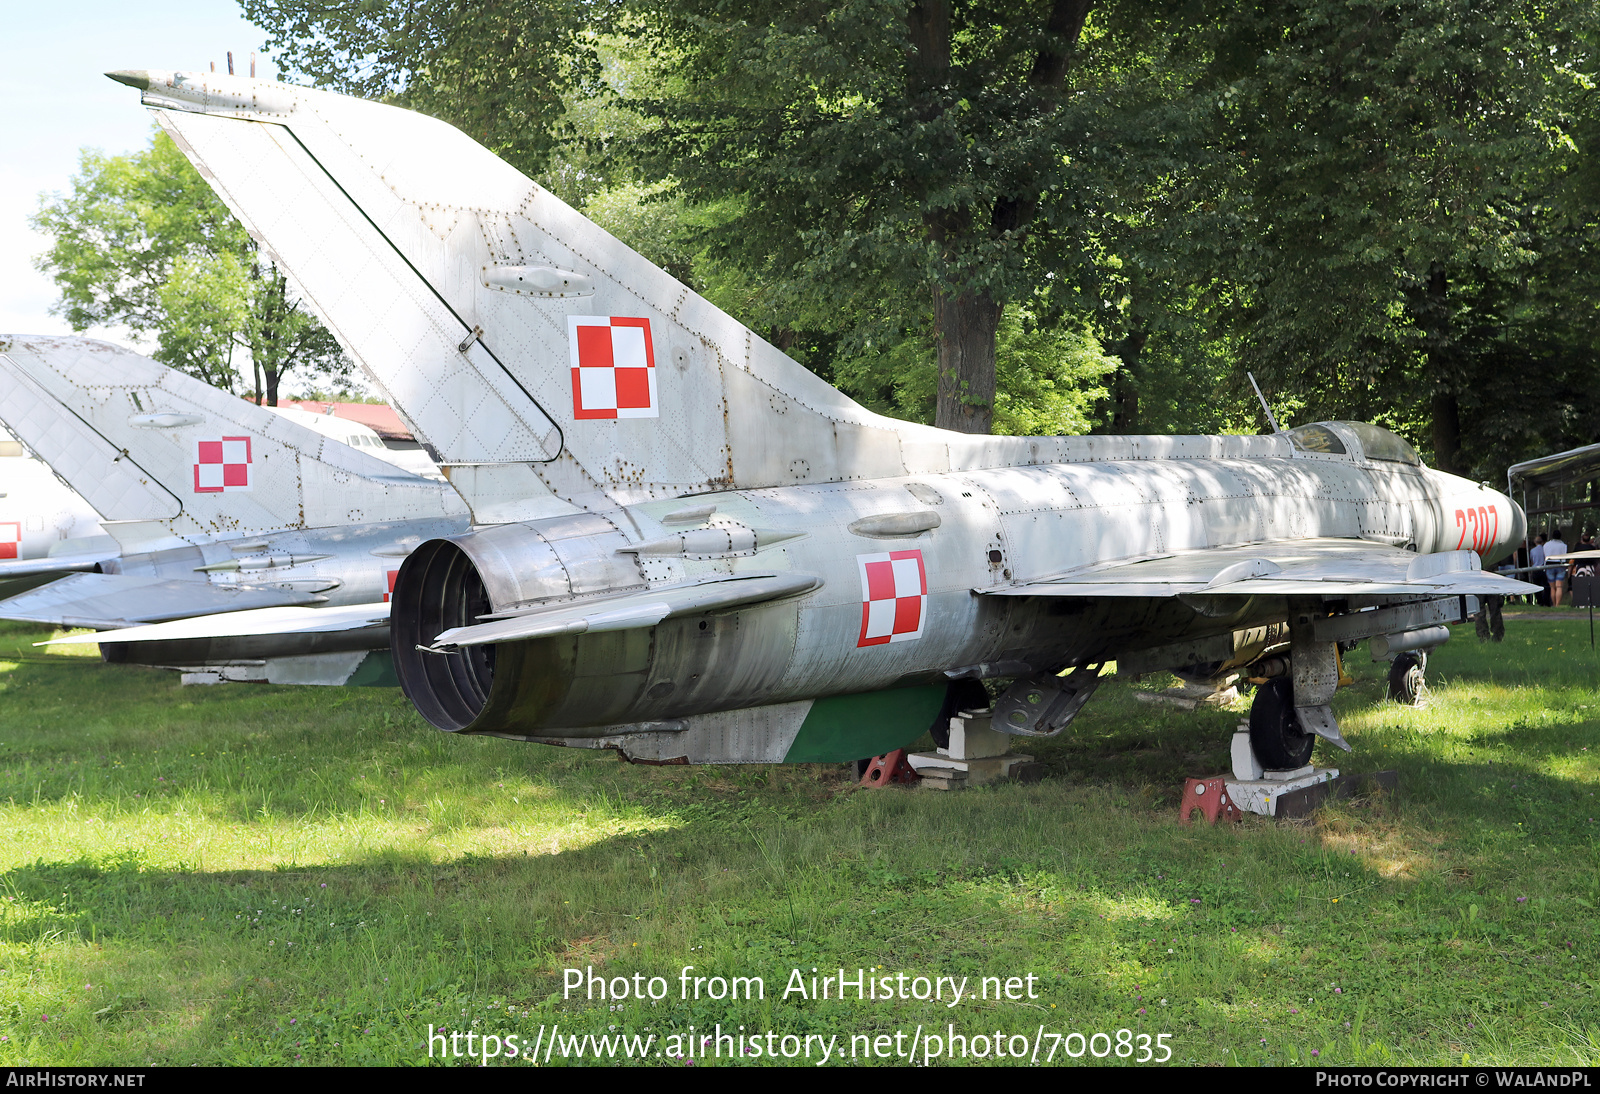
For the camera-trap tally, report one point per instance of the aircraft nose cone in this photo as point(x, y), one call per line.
point(133, 77)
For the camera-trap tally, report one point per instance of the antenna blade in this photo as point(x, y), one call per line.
point(1270, 418)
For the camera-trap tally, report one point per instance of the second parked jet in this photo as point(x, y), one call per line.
point(215, 505)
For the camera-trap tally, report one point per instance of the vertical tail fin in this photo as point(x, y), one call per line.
point(166, 459)
point(539, 355)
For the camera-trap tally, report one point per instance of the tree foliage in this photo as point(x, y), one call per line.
point(937, 154)
point(865, 152)
point(1392, 164)
point(143, 242)
point(500, 70)
point(1387, 209)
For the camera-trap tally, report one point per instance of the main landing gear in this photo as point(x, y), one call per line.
point(1272, 772)
point(1279, 741)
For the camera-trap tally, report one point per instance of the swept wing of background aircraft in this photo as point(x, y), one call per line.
point(693, 550)
point(213, 505)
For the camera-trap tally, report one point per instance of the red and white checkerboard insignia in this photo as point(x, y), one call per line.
point(392, 575)
point(894, 597)
point(10, 538)
point(222, 465)
point(613, 367)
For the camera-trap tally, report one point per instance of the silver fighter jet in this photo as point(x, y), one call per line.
point(690, 549)
point(213, 505)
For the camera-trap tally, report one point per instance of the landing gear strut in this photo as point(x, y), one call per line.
point(1279, 741)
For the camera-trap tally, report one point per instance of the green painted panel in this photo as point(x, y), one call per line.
point(375, 671)
point(852, 727)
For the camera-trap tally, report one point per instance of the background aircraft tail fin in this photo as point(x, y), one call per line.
point(166, 459)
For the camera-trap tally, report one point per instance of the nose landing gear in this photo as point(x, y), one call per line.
point(1408, 681)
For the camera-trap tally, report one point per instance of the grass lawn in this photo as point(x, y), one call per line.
point(247, 874)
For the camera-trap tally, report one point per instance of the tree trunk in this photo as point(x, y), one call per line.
point(1066, 23)
point(1125, 383)
point(1446, 433)
point(966, 325)
point(965, 321)
point(928, 24)
point(1435, 322)
point(269, 343)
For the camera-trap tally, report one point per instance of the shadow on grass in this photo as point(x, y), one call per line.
point(1265, 940)
point(1244, 932)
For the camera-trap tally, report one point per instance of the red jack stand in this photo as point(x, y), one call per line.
point(891, 767)
point(1210, 796)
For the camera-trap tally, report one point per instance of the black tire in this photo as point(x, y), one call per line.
point(1275, 734)
point(1408, 678)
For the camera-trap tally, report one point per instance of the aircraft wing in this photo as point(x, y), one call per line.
point(259, 621)
point(642, 609)
point(119, 600)
point(1303, 568)
point(610, 613)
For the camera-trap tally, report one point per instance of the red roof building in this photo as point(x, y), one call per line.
point(378, 417)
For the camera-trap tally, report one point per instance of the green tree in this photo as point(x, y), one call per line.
point(499, 70)
point(1390, 167)
point(930, 161)
point(1385, 208)
point(943, 153)
point(143, 242)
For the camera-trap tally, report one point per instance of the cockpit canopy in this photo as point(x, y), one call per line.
point(1339, 438)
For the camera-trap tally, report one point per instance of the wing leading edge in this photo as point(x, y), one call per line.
point(243, 624)
point(1316, 567)
point(119, 600)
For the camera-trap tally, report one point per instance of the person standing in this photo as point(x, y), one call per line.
point(1536, 558)
point(1584, 568)
point(1557, 574)
point(1491, 625)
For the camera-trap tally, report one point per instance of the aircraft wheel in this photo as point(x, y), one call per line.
point(1408, 680)
point(1275, 734)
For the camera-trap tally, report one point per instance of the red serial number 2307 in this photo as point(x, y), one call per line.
point(1481, 523)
